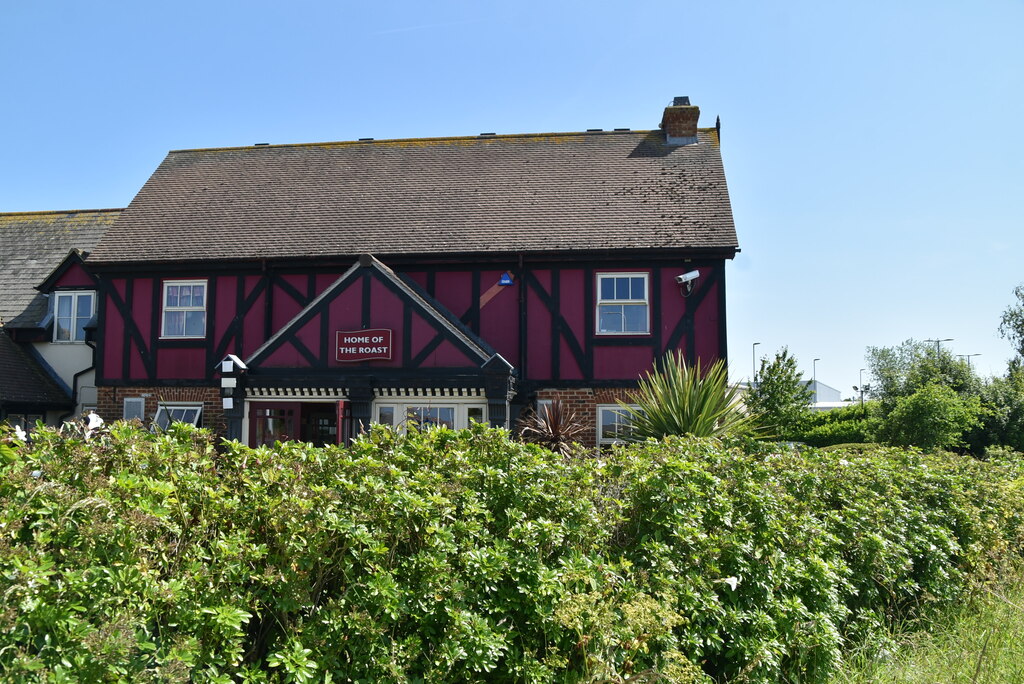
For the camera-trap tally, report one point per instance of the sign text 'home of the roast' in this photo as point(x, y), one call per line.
point(363, 345)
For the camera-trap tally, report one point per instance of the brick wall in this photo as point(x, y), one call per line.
point(585, 402)
point(110, 402)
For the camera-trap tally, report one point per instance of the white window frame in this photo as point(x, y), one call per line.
point(619, 411)
point(165, 309)
point(138, 409)
point(613, 302)
point(401, 409)
point(165, 413)
point(74, 335)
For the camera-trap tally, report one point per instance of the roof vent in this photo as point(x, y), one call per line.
point(483, 134)
point(680, 122)
point(622, 130)
point(261, 144)
point(365, 139)
point(595, 130)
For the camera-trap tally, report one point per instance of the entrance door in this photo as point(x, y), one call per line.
point(269, 423)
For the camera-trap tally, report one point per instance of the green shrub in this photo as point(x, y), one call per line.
point(933, 416)
point(444, 556)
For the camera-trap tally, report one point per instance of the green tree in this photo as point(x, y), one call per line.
point(780, 395)
point(903, 370)
point(678, 399)
point(1011, 325)
point(934, 416)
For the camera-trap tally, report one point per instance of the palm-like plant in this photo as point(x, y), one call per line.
point(677, 399)
point(554, 426)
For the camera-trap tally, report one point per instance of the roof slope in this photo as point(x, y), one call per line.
point(509, 193)
point(23, 381)
point(32, 244)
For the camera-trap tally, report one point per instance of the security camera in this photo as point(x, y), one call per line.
point(687, 277)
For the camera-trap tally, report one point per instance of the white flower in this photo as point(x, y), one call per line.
point(94, 421)
point(731, 581)
point(20, 433)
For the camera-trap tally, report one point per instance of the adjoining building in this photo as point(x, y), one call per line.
point(47, 303)
point(304, 291)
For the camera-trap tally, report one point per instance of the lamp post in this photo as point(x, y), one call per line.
point(938, 342)
point(860, 379)
point(968, 357)
point(814, 378)
point(753, 364)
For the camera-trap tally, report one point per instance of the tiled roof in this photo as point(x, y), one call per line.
point(32, 244)
point(486, 194)
point(24, 381)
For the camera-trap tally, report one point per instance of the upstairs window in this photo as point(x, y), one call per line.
point(184, 312)
point(71, 311)
point(622, 304)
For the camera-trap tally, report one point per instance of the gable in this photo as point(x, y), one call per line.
point(371, 318)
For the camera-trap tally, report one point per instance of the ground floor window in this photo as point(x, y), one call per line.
point(455, 416)
point(613, 424)
point(178, 413)
point(26, 421)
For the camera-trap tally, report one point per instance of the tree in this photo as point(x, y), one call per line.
point(901, 371)
point(779, 394)
point(678, 399)
point(1011, 325)
point(934, 416)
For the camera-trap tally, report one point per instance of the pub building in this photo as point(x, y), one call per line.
point(305, 291)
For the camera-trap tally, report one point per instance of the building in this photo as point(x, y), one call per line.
point(47, 302)
point(304, 291)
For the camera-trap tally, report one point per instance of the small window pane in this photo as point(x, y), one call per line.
point(64, 305)
point(63, 332)
point(622, 288)
point(475, 414)
point(84, 306)
point(185, 295)
point(386, 415)
point(610, 318)
point(195, 323)
point(174, 323)
point(637, 288)
point(607, 288)
point(636, 317)
point(197, 295)
point(172, 295)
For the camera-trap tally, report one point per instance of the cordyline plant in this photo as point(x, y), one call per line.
point(678, 399)
point(554, 426)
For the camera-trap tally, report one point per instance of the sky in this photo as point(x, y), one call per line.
point(874, 150)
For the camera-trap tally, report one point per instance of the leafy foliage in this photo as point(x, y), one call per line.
point(555, 427)
point(903, 370)
point(933, 416)
point(1011, 324)
point(678, 399)
point(847, 425)
point(780, 395)
point(445, 556)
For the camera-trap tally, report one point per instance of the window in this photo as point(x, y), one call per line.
point(454, 416)
point(134, 407)
point(184, 309)
point(622, 304)
point(177, 413)
point(71, 311)
point(612, 424)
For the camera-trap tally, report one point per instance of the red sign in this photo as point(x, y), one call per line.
point(363, 345)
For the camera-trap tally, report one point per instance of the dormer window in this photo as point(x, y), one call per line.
point(71, 312)
point(184, 313)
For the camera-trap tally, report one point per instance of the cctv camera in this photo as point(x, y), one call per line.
point(687, 277)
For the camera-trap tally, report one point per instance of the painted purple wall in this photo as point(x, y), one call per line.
point(561, 343)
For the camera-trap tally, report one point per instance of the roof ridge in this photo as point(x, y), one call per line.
point(59, 211)
point(489, 136)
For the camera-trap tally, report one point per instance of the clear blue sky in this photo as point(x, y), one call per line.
point(874, 150)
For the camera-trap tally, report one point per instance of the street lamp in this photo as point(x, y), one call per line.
point(814, 378)
point(753, 363)
point(938, 342)
point(860, 378)
point(968, 357)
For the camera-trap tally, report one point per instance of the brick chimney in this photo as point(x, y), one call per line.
point(680, 122)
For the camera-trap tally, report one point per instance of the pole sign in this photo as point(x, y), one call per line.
point(363, 345)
